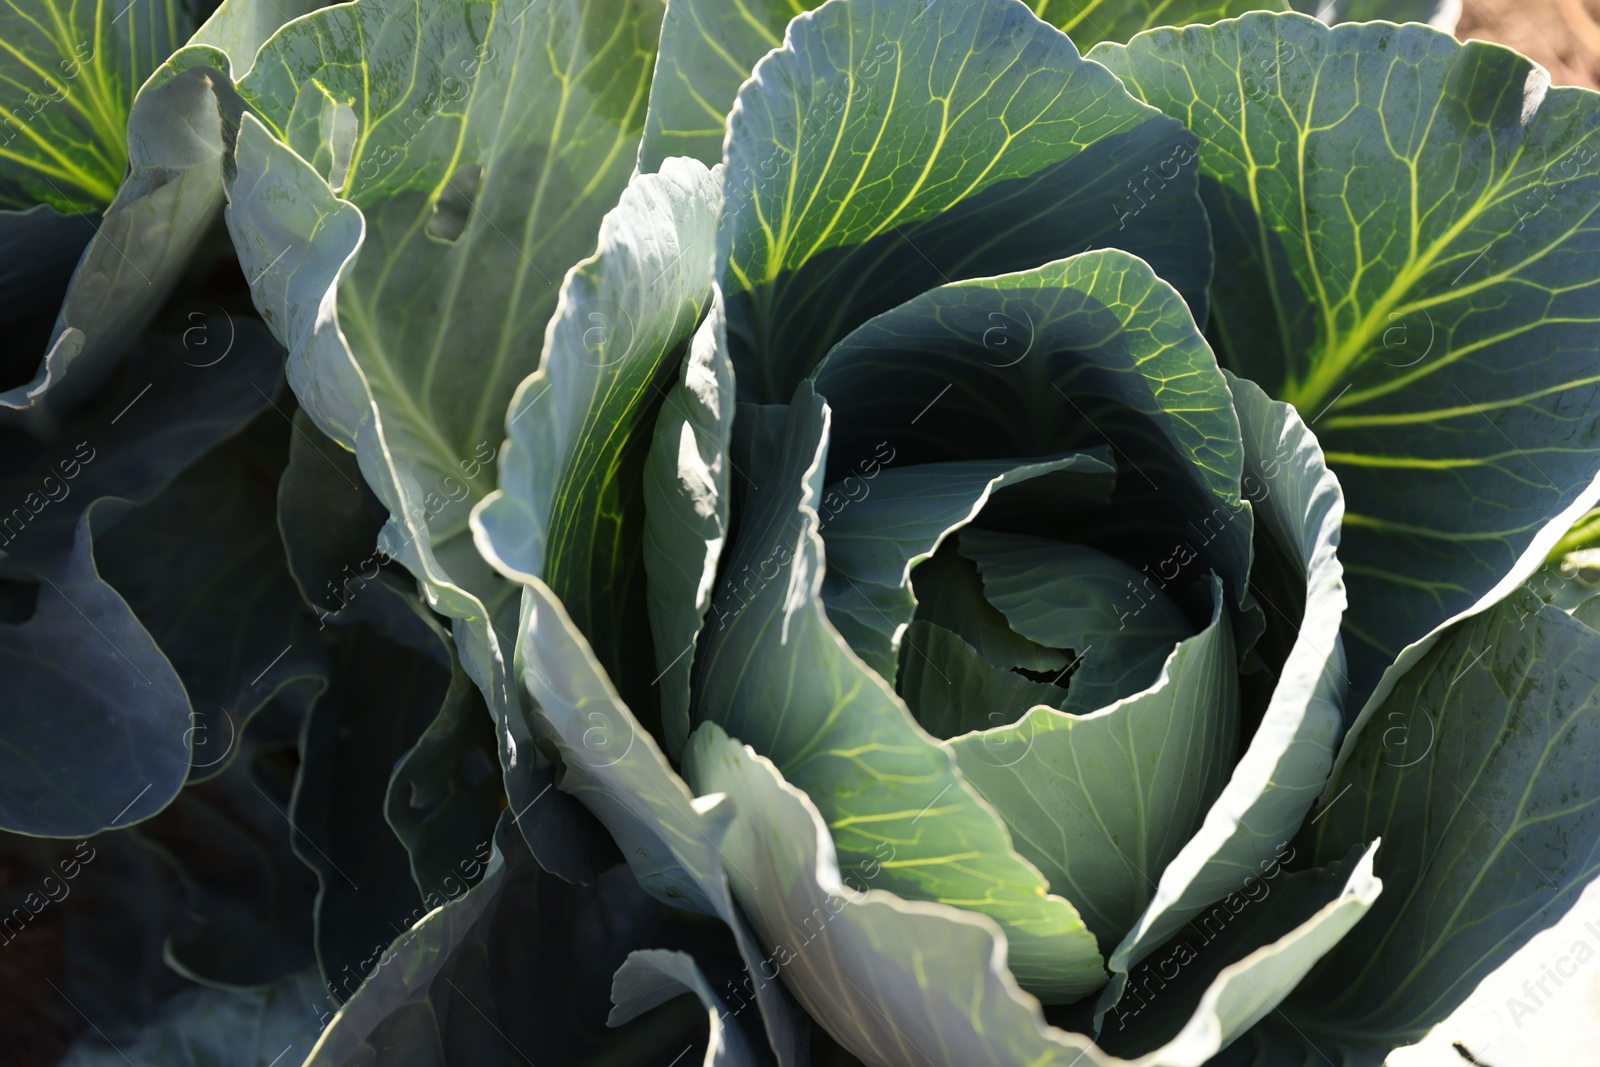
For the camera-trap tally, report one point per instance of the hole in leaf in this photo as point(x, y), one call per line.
point(1055, 678)
point(17, 601)
point(455, 203)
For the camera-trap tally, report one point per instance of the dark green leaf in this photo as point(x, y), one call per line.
point(1413, 244)
point(892, 145)
point(1482, 766)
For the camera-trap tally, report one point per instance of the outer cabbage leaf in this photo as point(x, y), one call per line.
point(670, 839)
point(515, 971)
point(890, 146)
point(169, 411)
point(914, 984)
point(329, 522)
point(1414, 246)
point(203, 569)
point(68, 75)
point(247, 900)
point(1440, 14)
point(444, 795)
point(39, 248)
point(652, 977)
point(570, 508)
point(175, 137)
point(1484, 764)
point(387, 685)
point(1286, 931)
point(92, 687)
point(437, 123)
point(99, 741)
point(686, 514)
point(708, 49)
point(775, 672)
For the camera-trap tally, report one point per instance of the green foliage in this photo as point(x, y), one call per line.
point(770, 533)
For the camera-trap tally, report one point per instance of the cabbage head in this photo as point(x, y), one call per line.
point(955, 532)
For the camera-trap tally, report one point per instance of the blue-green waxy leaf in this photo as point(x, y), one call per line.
point(773, 672)
point(891, 145)
point(175, 144)
point(879, 523)
point(249, 901)
point(1272, 786)
point(203, 569)
point(435, 946)
point(708, 49)
point(894, 981)
point(444, 795)
point(1109, 355)
point(98, 708)
point(669, 837)
point(175, 406)
point(39, 247)
point(1088, 22)
point(1073, 596)
point(1483, 762)
point(686, 514)
point(329, 522)
point(1100, 802)
point(1414, 246)
point(913, 984)
point(100, 740)
point(570, 508)
point(490, 139)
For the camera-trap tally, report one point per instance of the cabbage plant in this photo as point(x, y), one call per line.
point(903, 532)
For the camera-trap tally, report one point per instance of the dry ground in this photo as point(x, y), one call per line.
point(1563, 35)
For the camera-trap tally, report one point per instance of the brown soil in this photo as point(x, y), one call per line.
point(1562, 35)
